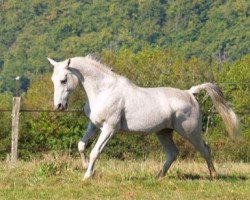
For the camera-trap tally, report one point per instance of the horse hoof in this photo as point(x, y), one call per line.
point(84, 179)
point(88, 176)
point(160, 175)
point(213, 175)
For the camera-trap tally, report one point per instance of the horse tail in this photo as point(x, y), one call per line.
point(226, 112)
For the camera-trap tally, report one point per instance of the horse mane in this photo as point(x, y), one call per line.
point(97, 63)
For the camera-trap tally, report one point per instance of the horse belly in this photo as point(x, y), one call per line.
point(146, 120)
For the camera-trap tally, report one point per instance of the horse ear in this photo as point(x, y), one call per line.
point(68, 63)
point(52, 62)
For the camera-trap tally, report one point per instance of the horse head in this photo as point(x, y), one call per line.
point(64, 83)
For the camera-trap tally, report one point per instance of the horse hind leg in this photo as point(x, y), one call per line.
point(195, 138)
point(171, 151)
point(212, 171)
point(204, 149)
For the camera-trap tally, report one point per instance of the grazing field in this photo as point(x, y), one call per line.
point(51, 178)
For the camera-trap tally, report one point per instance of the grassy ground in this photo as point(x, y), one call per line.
point(51, 178)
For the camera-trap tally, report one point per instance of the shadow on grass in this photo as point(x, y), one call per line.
point(188, 176)
point(224, 177)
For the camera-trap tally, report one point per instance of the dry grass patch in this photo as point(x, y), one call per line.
point(60, 178)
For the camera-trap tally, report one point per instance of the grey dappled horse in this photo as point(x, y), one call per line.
point(115, 103)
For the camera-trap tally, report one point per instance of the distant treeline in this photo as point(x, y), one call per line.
point(211, 30)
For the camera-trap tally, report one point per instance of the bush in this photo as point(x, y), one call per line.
point(151, 67)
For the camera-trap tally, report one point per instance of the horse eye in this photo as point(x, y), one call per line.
point(64, 81)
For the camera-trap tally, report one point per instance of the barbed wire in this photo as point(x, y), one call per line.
point(40, 110)
point(81, 111)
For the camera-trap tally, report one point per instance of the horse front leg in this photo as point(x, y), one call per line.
point(106, 133)
point(91, 131)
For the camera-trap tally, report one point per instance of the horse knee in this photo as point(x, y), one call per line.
point(94, 154)
point(81, 146)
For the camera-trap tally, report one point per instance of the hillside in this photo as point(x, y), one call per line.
point(31, 30)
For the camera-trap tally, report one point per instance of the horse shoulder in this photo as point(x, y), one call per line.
point(107, 109)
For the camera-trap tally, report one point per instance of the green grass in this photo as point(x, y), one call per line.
point(51, 178)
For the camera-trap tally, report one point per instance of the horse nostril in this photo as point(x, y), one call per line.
point(59, 107)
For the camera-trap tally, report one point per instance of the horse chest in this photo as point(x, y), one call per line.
point(109, 112)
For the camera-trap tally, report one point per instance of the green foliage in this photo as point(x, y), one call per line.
point(51, 168)
point(50, 132)
point(47, 169)
point(32, 30)
point(5, 124)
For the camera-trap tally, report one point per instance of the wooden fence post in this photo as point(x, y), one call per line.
point(15, 122)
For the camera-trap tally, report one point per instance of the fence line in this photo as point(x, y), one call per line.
point(81, 110)
point(15, 121)
point(39, 110)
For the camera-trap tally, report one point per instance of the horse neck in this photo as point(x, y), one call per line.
point(94, 80)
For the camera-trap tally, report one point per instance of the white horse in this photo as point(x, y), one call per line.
point(115, 103)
